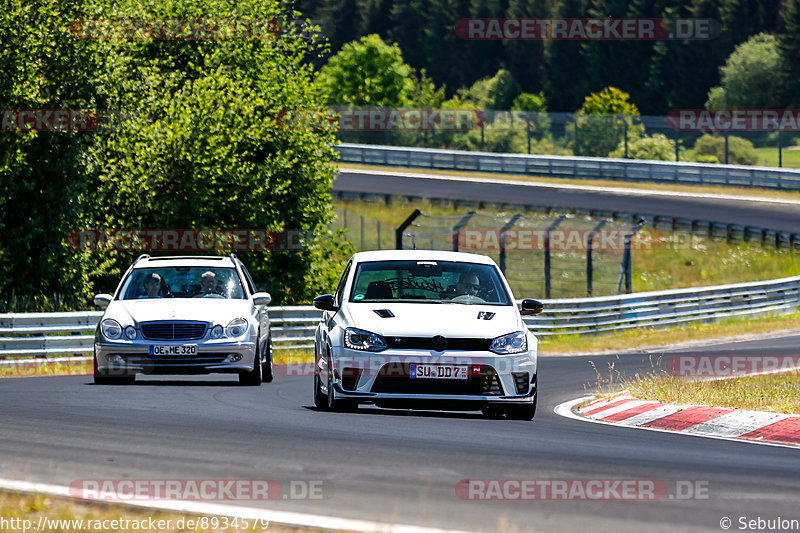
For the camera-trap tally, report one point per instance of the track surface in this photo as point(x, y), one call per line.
point(392, 466)
point(779, 217)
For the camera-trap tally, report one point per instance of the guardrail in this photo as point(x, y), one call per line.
point(54, 334)
point(573, 166)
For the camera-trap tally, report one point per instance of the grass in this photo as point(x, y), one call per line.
point(768, 157)
point(693, 189)
point(33, 506)
point(778, 393)
point(43, 367)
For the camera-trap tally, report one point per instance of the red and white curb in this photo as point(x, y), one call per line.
point(699, 420)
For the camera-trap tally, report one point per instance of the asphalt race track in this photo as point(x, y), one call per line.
point(393, 466)
point(775, 216)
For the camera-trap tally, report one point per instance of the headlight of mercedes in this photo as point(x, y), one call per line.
point(510, 344)
point(216, 332)
point(130, 332)
point(357, 339)
point(111, 329)
point(236, 327)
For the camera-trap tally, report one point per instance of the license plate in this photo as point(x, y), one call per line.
point(183, 349)
point(439, 372)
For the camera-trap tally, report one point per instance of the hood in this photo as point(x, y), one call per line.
point(427, 320)
point(219, 311)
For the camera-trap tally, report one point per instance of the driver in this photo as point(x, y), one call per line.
point(468, 284)
point(208, 284)
point(152, 286)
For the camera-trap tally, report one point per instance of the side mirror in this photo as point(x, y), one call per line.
point(325, 302)
point(102, 300)
point(262, 298)
point(531, 307)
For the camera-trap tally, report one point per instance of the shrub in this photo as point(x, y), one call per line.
point(740, 151)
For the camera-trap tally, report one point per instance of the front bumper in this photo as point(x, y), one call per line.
point(130, 358)
point(386, 377)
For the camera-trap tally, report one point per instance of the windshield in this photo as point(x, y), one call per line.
point(429, 282)
point(182, 282)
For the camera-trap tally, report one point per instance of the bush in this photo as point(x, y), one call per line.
point(740, 151)
point(602, 122)
point(656, 147)
point(701, 158)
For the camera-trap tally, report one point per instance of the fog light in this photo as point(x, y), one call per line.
point(235, 357)
point(116, 359)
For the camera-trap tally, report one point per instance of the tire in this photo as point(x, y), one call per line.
point(523, 413)
point(105, 379)
point(331, 402)
point(266, 366)
point(320, 400)
point(253, 377)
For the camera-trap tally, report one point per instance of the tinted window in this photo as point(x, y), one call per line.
point(182, 282)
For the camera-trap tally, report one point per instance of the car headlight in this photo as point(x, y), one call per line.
point(111, 329)
point(511, 343)
point(357, 339)
point(130, 332)
point(236, 328)
point(217, 331)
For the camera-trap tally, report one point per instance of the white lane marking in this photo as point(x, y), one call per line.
point(737, 423)
point(587, 188)
point(604, 403)
point(565, 410)
point(653, 414)
point(621, 408)
point(247, 513)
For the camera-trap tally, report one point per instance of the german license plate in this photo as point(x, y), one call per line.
point(183, 349)
point(439, 371)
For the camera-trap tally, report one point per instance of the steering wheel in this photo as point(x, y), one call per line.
point(468, 299)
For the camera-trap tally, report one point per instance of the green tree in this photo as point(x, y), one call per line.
point(497, 92)
point(603, 120)
point(790, 48)
point(752, 77)
point(367, 72)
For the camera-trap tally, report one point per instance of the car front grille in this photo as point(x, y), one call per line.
point(427, 343)
point(173, 331)
point(155, 361)
point(395, 379)
point(520, 381)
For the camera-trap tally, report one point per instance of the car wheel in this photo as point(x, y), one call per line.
point(523, 413)
point(320, 400)
point(105, 379)
point(332, 403)
point(266, 366)
point(253, 377)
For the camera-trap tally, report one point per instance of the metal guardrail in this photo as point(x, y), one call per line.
point(54, 334)
point(573, 166)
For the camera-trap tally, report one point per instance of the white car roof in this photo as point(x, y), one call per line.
point(184, 261)
point(421, 255)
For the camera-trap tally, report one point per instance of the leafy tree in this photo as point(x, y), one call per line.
point(603, 119)
point(790, 48)
point(751, 77)
point(654, 147)
point(368, 72)
point(497, 92)
point(740, 151)
point(530, 102)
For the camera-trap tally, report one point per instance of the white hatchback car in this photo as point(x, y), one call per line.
point(184, 315)
point(425, 329)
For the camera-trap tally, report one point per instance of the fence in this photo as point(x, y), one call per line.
point(747, 138)
point(53, 334)
point(571, 167)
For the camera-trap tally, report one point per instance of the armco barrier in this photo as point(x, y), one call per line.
point(573, 166)
point(53, 334)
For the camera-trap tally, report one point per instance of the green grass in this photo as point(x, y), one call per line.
point(779, 393)
point(768, 157)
